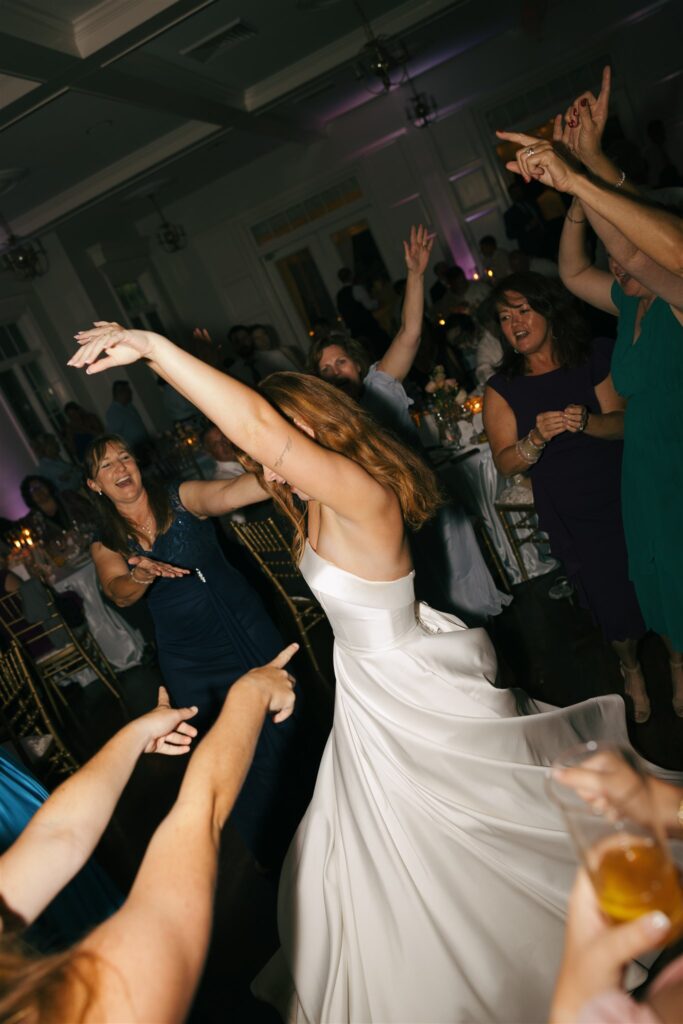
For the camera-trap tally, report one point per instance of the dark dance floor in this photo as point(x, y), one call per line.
point(550, 648)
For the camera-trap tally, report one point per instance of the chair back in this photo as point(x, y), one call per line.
point(267, 544)
point(176, 460)
point(31, 617)
point(30, 713)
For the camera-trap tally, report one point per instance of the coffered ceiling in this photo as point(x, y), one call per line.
point(99, 98)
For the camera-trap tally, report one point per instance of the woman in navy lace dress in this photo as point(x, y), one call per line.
point(210, 625)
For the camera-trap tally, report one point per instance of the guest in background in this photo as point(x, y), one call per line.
point(522, 263)
point(242, 365)
point(222, 452)
point(270, 355)
point(552, 411)
point(355, 308)
point(523, 222)
point(451, 572)
point(64, 475)
point(52, 511)
point(440, 286)
point(177, 407)
point(81, 427)
point(123, 418)
point(377, 387)
point(476, 347)
point(463, 296)
point(494, 259)
point(145, 961)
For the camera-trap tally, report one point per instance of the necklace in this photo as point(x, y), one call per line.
point(148, 527)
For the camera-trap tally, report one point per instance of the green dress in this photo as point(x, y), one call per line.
point(650, 375)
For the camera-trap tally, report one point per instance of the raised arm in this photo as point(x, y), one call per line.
point(63, 833)
point(576, 269)
point(538, 159)
point(400, 356)
point(218, 497)
point(150, 953)
point(244, 416)
point(656, 234)
point(581, 133)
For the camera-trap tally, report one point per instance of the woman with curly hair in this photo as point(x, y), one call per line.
point(429, 876)
point(552, 411)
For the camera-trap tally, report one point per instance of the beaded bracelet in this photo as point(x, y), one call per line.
point(140, 583)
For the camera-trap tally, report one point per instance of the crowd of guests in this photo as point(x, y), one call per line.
point(593, 422)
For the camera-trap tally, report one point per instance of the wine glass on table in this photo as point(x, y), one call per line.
point(605, 797)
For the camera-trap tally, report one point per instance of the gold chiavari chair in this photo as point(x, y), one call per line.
point(70, 653)
point(265, 541)
point(520, 525)
point(32, 719)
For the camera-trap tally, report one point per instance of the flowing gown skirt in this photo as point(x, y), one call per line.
point(428, 880)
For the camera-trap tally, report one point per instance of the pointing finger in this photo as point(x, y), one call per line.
point(284, 656)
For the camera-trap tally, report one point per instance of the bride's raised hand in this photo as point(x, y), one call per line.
point(120, 346)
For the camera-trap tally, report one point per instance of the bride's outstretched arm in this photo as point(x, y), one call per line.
point(242, 414)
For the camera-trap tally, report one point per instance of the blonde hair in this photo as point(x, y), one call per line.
point(340, 425)
point(35, 988)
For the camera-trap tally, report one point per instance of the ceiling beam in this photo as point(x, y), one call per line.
point(195, 105)
point(70, 75)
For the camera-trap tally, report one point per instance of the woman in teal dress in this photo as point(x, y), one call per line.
point(647, 363)
point(648, 371)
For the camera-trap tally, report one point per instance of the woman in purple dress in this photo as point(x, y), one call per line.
point(552, 411)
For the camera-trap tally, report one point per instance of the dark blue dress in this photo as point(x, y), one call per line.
point(577, 490)
point(211, 628)
point(85, 902)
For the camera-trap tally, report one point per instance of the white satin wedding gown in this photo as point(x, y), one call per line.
point(429, 877)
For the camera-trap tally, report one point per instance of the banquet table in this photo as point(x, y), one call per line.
point(469, 474)
point(120, 643)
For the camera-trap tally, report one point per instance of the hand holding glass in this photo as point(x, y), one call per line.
point(612, 818)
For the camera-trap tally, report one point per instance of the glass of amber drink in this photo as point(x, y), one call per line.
point(605, 798)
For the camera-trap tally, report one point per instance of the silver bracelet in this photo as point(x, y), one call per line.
point(140, 583)
point(621, 180)
point(528, 451)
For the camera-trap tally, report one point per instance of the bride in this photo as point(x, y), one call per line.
point(428, 879)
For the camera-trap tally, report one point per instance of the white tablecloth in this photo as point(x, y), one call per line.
point(120, 643)
point(477, 483)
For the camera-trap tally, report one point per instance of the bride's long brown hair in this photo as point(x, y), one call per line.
point(35, 989)
point(340, 425)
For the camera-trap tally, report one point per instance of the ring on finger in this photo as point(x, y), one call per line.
point(530, 151)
